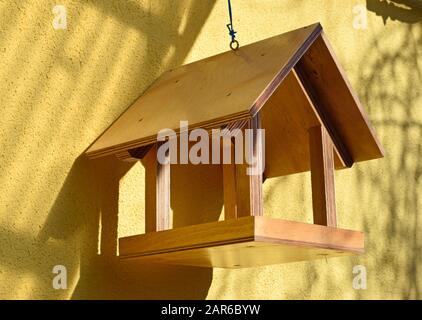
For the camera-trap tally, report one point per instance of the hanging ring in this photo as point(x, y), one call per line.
point(234, 45)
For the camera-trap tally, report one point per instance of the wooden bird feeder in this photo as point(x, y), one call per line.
point(292, 86)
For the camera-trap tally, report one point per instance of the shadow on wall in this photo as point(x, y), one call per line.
point(102, 275)
point(396, 109)
point(173, 29)
point(390, 87)
point(132, 280)
point(407, 11)
point(85, 211)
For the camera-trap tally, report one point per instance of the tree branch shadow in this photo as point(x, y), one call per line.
point(86, 208)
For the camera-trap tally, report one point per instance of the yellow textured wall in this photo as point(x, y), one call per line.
point(60, 89)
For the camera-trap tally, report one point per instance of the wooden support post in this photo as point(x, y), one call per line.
point(322, 174)
point(229, 184)
point(163, 193)
point(243, 191)
point(157, 192)
point(150, 164)
point(255, 179)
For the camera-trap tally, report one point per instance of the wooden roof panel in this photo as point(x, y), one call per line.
point(235, 85)
point(337, 102)
point(219, 89)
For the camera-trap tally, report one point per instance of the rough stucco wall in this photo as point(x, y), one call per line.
point(59, 89)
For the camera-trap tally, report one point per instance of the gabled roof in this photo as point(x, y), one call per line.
point(235, 85)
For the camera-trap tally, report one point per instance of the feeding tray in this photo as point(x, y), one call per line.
point(245, 242)
point(292, 86)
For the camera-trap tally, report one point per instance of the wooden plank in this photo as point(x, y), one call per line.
point(337, 102)
point(242, 255)
point(257, 167)
point(135, 144)
point(163, 192)
point(200, 235)
point(258, 68)
point(322, 174)
point(243, 191)
point(245, 242)
point(231, 206)
point(229, 185)
point(249, 174)
point(150, 164)
point(303, 234)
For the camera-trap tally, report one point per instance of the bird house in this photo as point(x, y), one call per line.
point(291, 86)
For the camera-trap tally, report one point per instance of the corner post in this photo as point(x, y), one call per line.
point(249, 176)
point(322, 174)
point(229, 183)
point(257, 166)
point(150, 164)
point(163, 219)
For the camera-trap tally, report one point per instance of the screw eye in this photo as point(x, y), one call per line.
point(234, 45)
